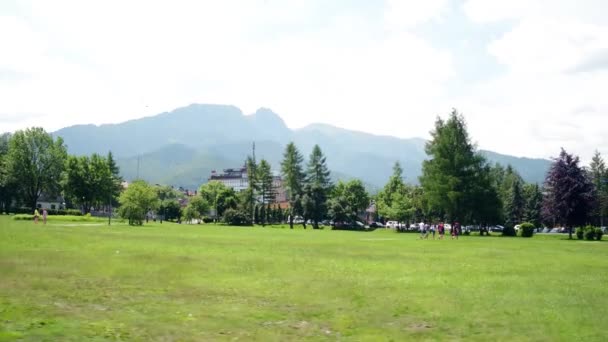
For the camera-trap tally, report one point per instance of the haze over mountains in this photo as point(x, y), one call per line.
point(181, 147)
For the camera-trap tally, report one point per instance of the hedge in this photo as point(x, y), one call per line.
point(526, 229)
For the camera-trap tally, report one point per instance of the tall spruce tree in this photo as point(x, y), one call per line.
point(116, 186)
point(318, 186)
point(7, 188)
point(569, 198)
point(533, 198)
point(250, 195)
point(265, 179)
point(449, 177)
point(293, 178)
point(599, 176)
point(514, 208)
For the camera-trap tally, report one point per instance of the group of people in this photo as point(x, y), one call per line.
point(427, 229)
point(37, 215)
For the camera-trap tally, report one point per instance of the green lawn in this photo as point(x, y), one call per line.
point(87, 281)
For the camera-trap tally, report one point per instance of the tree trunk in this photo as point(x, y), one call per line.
point(290, 222)
point(570, 233)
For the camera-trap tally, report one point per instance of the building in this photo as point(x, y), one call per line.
point(232, 178)
point(237, 180)
point(50, 202)
point(280, 191)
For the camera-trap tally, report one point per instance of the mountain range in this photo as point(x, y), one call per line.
point(183, 146)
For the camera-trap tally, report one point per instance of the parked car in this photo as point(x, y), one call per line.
point(392, 224)
point(497, 228)
point(376, 225)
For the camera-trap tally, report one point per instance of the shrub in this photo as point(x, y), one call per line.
point(527, 229)
point(599, 233)
point(71, 212)
point(509, 231)
point(61, 218)
point(580, 233)
point(23, 217)
point(235, 217)
point(207, 219)
point(589, 233)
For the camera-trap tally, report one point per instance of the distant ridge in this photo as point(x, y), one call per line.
point(182, 146)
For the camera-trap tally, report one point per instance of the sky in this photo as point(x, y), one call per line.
point(530, 76)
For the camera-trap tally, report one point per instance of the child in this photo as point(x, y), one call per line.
point(433, 231)
point(44, 213)
point(36, 214)
point(441, 229)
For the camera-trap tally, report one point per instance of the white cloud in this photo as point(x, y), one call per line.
point(401, 14)
point(112, 60)
point(537, 101)
point(74, 62)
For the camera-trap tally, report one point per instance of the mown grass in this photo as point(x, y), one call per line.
point(75, 282)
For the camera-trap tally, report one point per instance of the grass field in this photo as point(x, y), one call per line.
point(79, 281)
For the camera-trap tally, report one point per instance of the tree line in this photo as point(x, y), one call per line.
point(457, 185)
point(33, 164)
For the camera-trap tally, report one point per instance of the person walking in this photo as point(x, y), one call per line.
point(433, 230)
point(422, 230)
point(36, 214)
point(455, 230)
point(44, 214)
point(441, 229)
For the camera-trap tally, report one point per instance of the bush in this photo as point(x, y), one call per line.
point(589, 233)
point(61, 218)
point(527, 229)
point(71, 212)
point(23, 217)
point(580, 233)
point(207, 219)
point(509, 231)
point(235, 217)
point(598, 234)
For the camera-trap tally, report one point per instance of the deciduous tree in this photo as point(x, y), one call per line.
point(136, 201)
point(35, 163)
point(569, 198)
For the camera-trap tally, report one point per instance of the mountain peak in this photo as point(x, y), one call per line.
point(265, 116)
